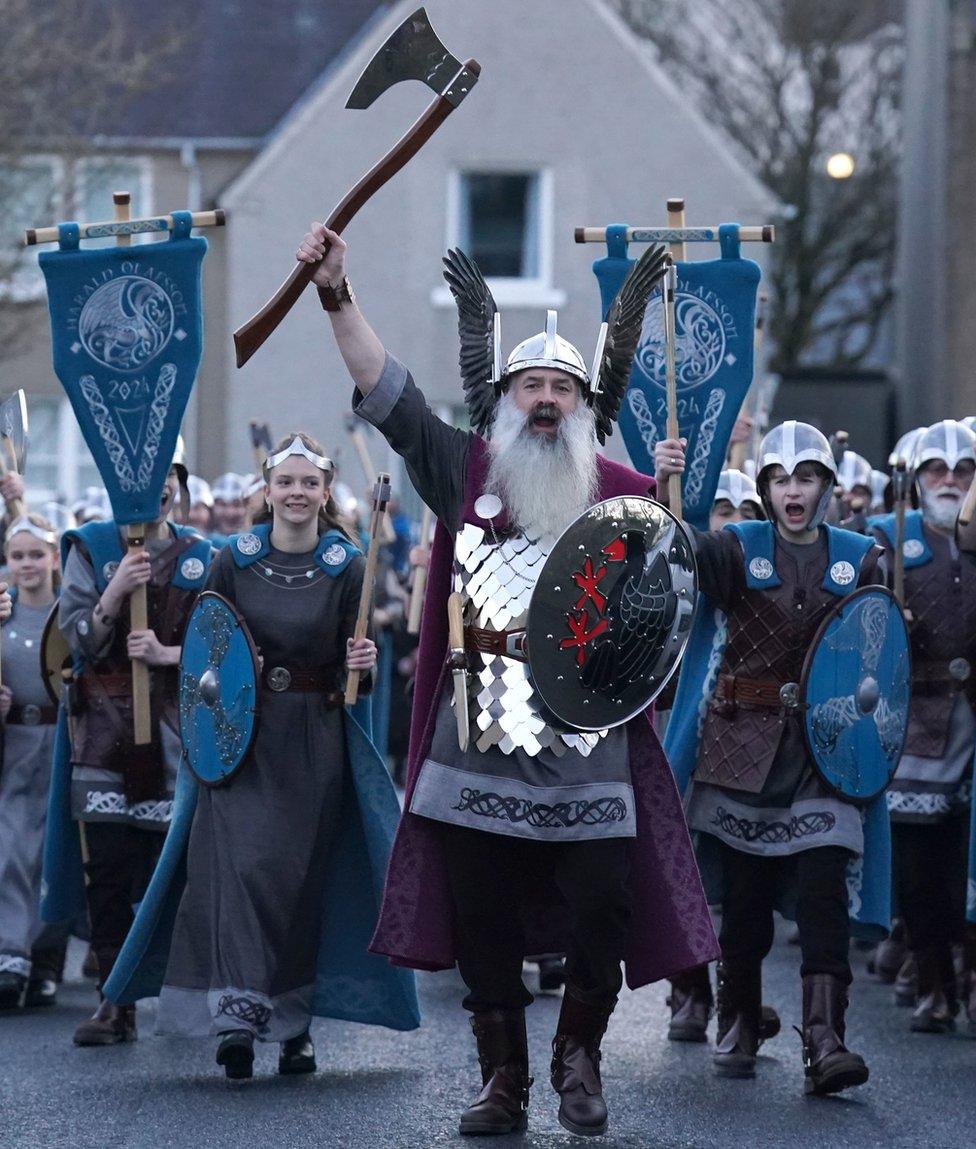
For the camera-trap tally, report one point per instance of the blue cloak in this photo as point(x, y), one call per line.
point(868, 876)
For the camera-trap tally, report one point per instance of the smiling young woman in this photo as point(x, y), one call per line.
point(248, 948)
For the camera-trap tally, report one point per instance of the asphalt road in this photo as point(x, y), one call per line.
point(377, 1088)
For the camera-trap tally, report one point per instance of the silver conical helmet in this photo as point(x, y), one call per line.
point(738, 488)
point(548, 349)
point(788, 445)
point(854, 471)
point(948, 440)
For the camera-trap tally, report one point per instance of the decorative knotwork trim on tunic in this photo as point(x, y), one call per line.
point(249, 1011)
point(14, 963)
point(111, 802)
point(487, 804)
point(510, 805)
point(759, 830)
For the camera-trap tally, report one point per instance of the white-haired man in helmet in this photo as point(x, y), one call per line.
point(526, 839)
point(930, 797)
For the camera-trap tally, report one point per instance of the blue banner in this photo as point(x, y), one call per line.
point(715, 314)
point(127, 335)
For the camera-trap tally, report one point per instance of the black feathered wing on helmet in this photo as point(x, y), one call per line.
point(476, 327)
point(615, 355)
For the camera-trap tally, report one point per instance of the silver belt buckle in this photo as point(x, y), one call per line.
point(30, 715)
point(515, 644)
point(279, 679)
point(789, 695)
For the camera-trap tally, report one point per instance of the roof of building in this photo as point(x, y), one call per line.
point(239, 67)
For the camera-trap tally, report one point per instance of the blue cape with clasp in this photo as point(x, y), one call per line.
point(869, 876)
point(351, 984)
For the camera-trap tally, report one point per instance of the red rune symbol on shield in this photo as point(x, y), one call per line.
point(583, 627)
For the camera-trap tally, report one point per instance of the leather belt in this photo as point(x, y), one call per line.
point(758, 693)
point(114, 685)
point(505, 643)
point(282, 678)
point(31, 715)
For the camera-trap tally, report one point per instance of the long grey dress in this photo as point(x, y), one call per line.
point(24, 780)
point(246, 937)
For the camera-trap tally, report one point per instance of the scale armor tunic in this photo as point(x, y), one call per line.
point(522, 774)
point(497, 580)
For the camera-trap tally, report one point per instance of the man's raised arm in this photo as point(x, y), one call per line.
point(362, 351)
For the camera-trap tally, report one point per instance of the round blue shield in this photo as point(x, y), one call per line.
point(218, 690)
point(855, 690)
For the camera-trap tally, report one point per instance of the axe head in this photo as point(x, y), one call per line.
point(261, 436)
point(13, 429)
point(413, 52)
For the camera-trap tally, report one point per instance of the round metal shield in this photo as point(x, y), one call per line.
point(55, 656)
point(611, 613)
point(855, 691)
point(219, 673)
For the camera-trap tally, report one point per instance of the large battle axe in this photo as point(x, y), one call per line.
point(413, 52)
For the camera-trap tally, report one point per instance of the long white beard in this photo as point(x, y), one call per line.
point(544, 483)
point(938, 511)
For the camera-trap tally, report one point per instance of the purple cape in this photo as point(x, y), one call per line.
point(670, 929)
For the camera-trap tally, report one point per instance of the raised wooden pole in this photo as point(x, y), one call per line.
point(673, 430)
point(136, 541)
point(676, 219)
point(381, 496)
point(419, 586)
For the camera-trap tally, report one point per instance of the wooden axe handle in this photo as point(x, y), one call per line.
point(366, 594)
point(249, 337)
point(419, 578)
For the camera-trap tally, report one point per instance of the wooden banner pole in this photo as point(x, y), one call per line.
point(676, 221)
point(673, 429)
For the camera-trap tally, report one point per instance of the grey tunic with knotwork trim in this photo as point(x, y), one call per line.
point(24, 780)
point(538, 782)
point(246, 937)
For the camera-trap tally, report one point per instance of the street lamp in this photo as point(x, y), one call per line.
point(840, 166)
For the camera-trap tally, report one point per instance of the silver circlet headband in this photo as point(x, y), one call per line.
point(297, 447)
point(24, 524)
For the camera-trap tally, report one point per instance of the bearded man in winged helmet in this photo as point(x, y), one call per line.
point(507, 847)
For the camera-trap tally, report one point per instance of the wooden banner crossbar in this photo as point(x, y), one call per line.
point(123, 228)
point(760, 233)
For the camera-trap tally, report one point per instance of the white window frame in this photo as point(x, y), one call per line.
point(31, 285)
point(143, 164)
point(508, 291)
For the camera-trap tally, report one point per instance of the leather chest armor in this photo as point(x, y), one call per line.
point(769, 633)
point(104, 728)
point(941, 595)
point(496, 578)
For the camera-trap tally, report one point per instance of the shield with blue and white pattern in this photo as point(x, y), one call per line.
point(855, 691)
point(219, 675)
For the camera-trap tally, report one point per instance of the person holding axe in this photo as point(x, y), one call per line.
point(481, 874)
point(121, 793)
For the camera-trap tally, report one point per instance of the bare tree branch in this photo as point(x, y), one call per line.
point(790, 82)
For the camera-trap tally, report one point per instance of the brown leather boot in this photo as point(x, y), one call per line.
point(889, 955)
point(503, 1051)
point(110, 1024)
point(936, 1004)
point(575, 1070)
point(829, 1066)
point(739, 1020)
point(690, 1002)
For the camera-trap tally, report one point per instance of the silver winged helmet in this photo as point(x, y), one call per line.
point(603, 386)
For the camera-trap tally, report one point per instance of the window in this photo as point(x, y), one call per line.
point(499, 223)
point(97, 177)
point(504, 221)
point(58, 463)
point(30, 192)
